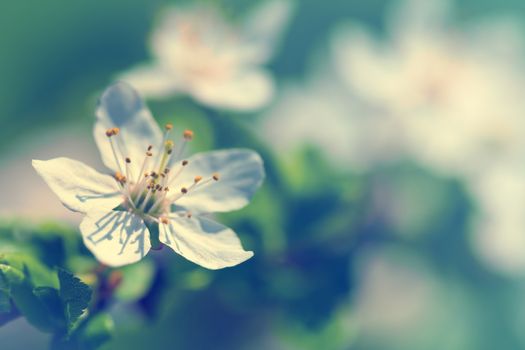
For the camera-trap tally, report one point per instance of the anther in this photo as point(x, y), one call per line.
point(166, 171)
point(149, 154)
point(128, 160)
point(197, 179)
point(188, 135)
point(184, 162)
point(169, 145)
point(168, 126)
point(184, 190)
point(164, 220)
point(109, 132)
point(120, 178)
point(215, 176)
point(188, 215)
point(115, 131)
point(150, 147)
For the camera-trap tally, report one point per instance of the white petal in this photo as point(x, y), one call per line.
point(264, 27)
point(241, 172)
point(204, 242)
point(78, 186)
point(122, 107)
point(243, 91)
point(151, 81)
point(116, 238)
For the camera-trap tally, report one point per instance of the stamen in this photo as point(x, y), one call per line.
point(129, 174)
point(120, 178)
point(169, 145)
point(164, 143)
point(146, 200)
point(216, 176)
point(188, 135)
point(168, 148)
point(109, 134)
point(160, 199)
point(197, 179)
point(184, 190)
point(112, 132)
point(146, 159)
point(179, 171)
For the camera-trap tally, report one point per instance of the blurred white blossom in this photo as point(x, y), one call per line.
point(499, 229)
point(198, 52)
point(456, 94)
point(321, 113)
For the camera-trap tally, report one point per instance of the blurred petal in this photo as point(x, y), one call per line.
point(246, 91)
point(78, 186)
point(116, 238)
point(204, 242)
point(264, 27)
point(151, 81)
point(121, 106)
point(241, 173)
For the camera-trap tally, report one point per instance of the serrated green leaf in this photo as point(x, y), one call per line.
point(136, 281)
point(75, 296)
point(51, 300)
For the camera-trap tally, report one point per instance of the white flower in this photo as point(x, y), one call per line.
point(456, 94)
point(153, 187)
point(197, 52)
point(321, 113)
point(499, 238)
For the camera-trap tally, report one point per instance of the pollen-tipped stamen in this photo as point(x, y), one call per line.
point(161, 199)
point(129, 174)
point(110, 133)
point(166, 155)
point(187, 136)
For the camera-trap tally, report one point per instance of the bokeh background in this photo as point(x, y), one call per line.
point(392, 213)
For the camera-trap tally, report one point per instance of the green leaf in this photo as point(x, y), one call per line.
point(75, 296)
point(5, 303)
point(97, 331)
point(29, 305)
point(37, 272)
point(136, 281)
point(51, 300)
point(90, 335)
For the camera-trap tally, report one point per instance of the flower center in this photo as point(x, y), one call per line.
point(147, 193)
